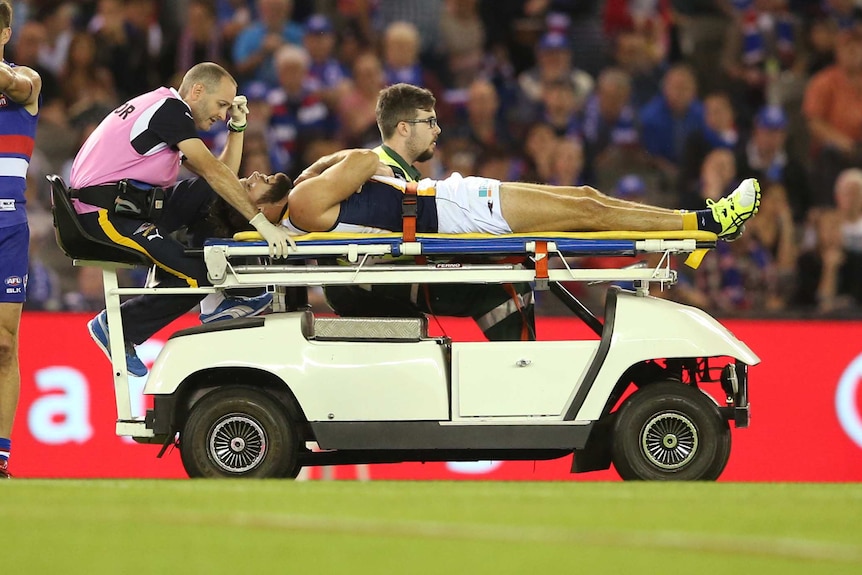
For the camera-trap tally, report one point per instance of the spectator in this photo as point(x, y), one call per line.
point(670, 118)
point(831, 105)
point(57, 17)
point(233, 17)
point(463, 40)
point(610, 126)
point(327, 77)
point(401, 43)
point(356, 110)
point(561, 107)
point(701, 30)
point(719, 131)
point(848, 199)
point(539, 146)
point(822, 282)
point(121, 48)
point(717, 174)
point(425, 18)
point(763, 57)
point(775, 230)
point(483, 128)
point(89, 295)
point(765, 156)
point(31, 41)
point(85, 82)
point(298, 115)
point(142, 16)
point(553, 64)
point(255, 46)
point(199, 40)
point(645, 66)
point(739, 278)
point(567, 163)
point(820, 38)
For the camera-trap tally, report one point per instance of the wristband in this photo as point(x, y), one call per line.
point(236, 129)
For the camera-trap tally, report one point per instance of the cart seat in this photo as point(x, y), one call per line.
point(74, 240)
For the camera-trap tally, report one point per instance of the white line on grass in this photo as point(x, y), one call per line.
point(782, 547)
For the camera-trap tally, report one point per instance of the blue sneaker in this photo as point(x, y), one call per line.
point(236, 307)
point(98, 328)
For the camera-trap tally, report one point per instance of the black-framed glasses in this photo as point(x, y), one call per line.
point(432, 121)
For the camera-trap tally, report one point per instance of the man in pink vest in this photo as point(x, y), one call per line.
point(124, 188)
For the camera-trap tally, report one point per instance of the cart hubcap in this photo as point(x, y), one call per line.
point(669, 440)
point(237, 443)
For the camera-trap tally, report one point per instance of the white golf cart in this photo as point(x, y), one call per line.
point(243, 397)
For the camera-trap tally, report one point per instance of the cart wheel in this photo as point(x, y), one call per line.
point(238, 432)
point(670, 431)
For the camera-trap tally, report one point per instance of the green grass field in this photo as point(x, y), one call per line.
point(187, 527)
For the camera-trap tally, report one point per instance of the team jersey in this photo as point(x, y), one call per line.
point(137, 141)
point(399, 166)
point(17, 138)
point(376, 208)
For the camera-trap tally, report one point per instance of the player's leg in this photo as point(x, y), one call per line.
point(590, 192)
point(14, 245)
point(10, 376)
point(531, 208)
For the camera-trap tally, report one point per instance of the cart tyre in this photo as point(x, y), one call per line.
point(238, 432)
point(670, 431)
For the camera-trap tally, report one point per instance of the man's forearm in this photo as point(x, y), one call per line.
point(19, 84)
point(225, 184)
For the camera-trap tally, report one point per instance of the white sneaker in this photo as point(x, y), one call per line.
point(236, 307)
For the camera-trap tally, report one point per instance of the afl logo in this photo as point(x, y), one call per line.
point(14, 281)
point(848, 400)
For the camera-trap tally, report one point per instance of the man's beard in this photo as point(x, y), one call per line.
point(426, 155)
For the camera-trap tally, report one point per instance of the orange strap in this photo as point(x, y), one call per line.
point(541, 260)
point(409, 210)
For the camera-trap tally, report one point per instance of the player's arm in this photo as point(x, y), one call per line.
point(21, 84)
point(315, 202)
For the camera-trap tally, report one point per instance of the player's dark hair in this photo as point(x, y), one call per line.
point(5, 14)
point(226, 221)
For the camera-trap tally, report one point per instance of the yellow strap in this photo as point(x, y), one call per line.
point(695, 258)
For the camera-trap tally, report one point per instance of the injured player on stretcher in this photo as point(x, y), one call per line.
point(352, 191)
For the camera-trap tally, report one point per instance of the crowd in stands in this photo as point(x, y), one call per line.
point(672, 102)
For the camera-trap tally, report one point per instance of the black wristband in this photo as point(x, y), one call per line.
point(234, 129)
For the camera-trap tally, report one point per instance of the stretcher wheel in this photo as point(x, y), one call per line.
point(670, 431)
point(238, 432)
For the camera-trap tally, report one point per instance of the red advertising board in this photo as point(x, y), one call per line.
point(806, 399)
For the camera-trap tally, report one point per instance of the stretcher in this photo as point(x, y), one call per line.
point(367, 258)
point(244, 397)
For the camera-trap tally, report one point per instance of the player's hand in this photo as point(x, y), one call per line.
point(384, 170)
point(305, 175)
point(279, 239)
point(238, 113)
